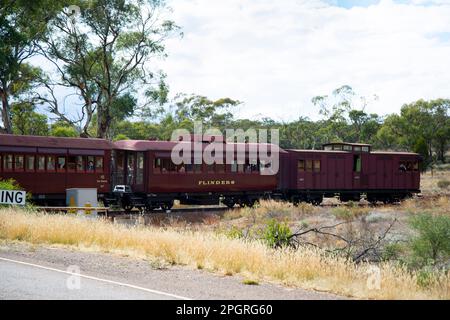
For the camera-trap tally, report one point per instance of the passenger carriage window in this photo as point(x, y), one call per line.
point(337, 147)
point(41, 163)
point(347, 148)
point(316, 165)
point(61, 164)
point(50, 163)
point(19, 163)
point(71, 163)
point(402, 166)
point(309, 165)
point(80, 163)
point(30, 163)
point(416, 166)
point(240, 168)
point(157, 165)
point(301, 165)
point(167, 166)
point(357, 149)
point(90, 164)
point(99, 164)
point(1, 162)
point(365, 149)
point(328, 148)
point(8, 162)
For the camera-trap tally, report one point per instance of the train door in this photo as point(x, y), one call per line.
point(357, 171)
point(384, 173)
point(134, 170)
point(380, 175)
point(336, 172)
point(118, 168)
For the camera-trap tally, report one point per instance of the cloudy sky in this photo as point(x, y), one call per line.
point(276, 55)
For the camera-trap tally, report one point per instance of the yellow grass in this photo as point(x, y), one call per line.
point(429, 182)
point(306, 268)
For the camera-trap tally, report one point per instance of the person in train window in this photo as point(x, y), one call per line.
point(402, 167)
point(90, 166)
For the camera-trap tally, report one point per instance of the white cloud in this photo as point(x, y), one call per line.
point(276, 55)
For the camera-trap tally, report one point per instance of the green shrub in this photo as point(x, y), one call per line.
point(443, 184)
point(277, 234)
point(431, 245)
point(9, 184)
point(234, 233)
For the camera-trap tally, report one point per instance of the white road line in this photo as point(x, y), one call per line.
point(98, 279)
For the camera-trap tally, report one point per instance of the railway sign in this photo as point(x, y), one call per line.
point(12, 197)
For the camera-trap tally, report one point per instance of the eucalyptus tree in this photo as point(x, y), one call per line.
point(105, 50)
point(22, 23)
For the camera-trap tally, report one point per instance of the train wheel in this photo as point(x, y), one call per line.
point(230, 203)
point(128, 208)
point(167, 205)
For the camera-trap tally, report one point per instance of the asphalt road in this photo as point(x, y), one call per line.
point(49, 272)
point(29, 281)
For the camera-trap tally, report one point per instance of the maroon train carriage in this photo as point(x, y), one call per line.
point(156, 181)
point(349, 170)
point(47, 166)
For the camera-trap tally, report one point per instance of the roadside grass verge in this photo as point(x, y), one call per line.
point(305, 268)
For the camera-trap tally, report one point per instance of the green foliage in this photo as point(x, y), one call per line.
point(66, 131)
point(22, 23)
point(9, 184)
point(107, 57)
point(277, 234)
point(234, 233)
point(421, 148)
point(26, 121)
point(392, 251)
point(423, 126)
point(431, 245)
point(120, 136)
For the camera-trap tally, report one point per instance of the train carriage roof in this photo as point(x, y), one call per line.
point(54, 142)
point(149, 145)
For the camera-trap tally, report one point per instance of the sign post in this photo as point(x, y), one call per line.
point(13, 197)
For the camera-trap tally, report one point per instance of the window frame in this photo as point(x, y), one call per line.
point(99, 169)
point(47, 157)
point(40, 157)
point(309, 165)
point(302, 167)
point(28, 156)
point(16, 157)
point(315, 167)
point(5, 157)
point(58, 169)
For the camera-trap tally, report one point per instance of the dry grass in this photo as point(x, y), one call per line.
point(429, 182)
point(306, 268)
point(436, 205)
